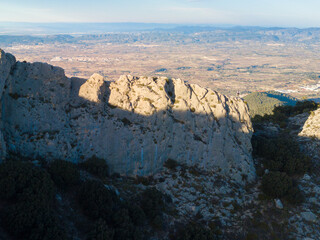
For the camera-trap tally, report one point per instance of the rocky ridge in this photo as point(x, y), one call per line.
point(135, 123)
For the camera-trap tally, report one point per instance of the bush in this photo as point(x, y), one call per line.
point(101, 231)
point(137, 214)
point(30, 195)
point(121, 227)
point(281, 154)
point(28, 220)
point(153, 203)
point(276, 184)
point(171, 164)
point(96, 166)
point(96, 200)
point(144, 180)
point(194, 231)
point(294, 195)
point(22, 181)
point(65, 174)
point(115, 219)
point(124, 228)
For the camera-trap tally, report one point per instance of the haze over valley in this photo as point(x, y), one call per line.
point(233, 59)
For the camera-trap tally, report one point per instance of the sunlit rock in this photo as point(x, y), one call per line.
point(135, 123)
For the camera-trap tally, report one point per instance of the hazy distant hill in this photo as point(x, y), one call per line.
point(15, 33)
point(264, 102)
point(21, 28)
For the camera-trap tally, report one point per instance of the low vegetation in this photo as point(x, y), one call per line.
point(263, 103)
point(282, 163)
point(96, 166)
point(101, 231)
point(64, 174)
point(32, 211)
point(29, 196)
point(281, 153)
point(153, 203)
point(281, 160)
point(276, 184)
point(194, 231)
point(171, 164)
point(97, 201)
point(280, 114)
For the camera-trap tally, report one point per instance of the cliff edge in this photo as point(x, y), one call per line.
point(135, 123)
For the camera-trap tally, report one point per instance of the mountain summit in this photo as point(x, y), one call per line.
point(135, 123)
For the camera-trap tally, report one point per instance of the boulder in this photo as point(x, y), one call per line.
point(278, 203)
point(309, 216)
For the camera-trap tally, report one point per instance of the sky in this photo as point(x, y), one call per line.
point(282, 13)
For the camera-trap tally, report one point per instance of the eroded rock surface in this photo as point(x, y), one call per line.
point(311, 127)
point(7, 62)
point(135, 123)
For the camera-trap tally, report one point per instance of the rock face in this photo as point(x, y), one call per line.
point(135, 123)
point(7, 62)
point(311, 127)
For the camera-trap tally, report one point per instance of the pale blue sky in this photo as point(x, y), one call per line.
point(298, 13)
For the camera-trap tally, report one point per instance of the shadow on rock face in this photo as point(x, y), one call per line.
point(135, 123)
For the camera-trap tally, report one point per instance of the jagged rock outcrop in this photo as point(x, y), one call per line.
point(311, 127)
point(135, 123)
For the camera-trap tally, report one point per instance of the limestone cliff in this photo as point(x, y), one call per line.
point(7, 62)
point(135, 123)
point(311, 127)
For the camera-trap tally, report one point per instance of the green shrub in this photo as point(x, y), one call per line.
point(101, 231)
point(116, 220)
point(31, 221)
point(194, 231)
point(171, 164)
point(124, 228)
point(64, 174)
point(96, 200)
point(153, 203)
point(121, 218)
point(30, 195)
point(137, 214)
point(96, 166)
point(294, 195)
point(23, 181)
point(281, 153)
point(21, 218)
point(276, 184)
point(143, 180)
point(252, 236)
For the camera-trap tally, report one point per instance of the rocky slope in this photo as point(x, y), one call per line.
point(135, 123)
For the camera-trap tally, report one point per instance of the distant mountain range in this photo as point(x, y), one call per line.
point(151, 32)
point(21, 28)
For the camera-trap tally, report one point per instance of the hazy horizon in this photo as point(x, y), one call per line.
point(301, 14)
point(26, 28)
